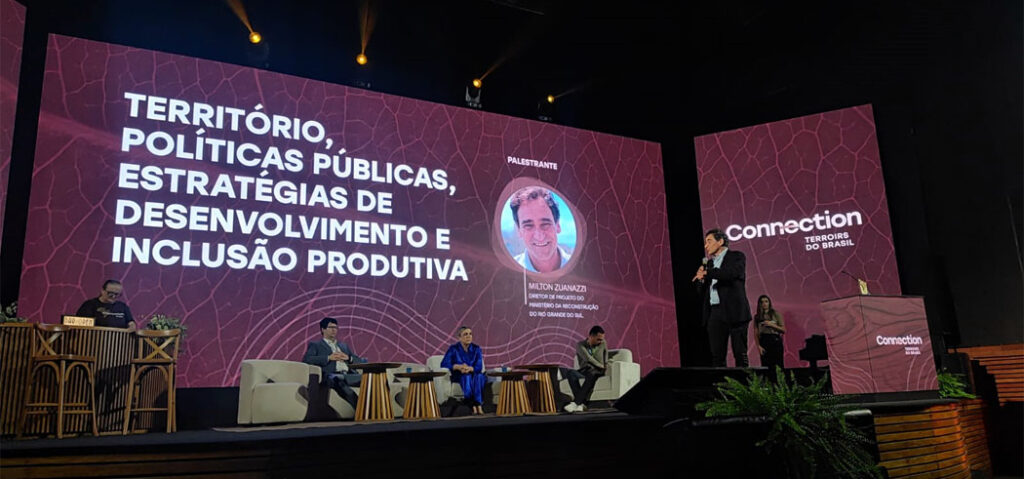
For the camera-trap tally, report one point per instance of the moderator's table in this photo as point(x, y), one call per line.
point(513, 400)
point(544, 402)
point(374, 402)
point(420, 399)
point(113, 349)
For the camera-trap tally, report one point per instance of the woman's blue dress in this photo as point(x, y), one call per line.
point(472, 383)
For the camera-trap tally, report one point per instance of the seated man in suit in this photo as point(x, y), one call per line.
point(334, 357)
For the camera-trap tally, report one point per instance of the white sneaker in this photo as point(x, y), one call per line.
point(581, 408)
point(571, 407)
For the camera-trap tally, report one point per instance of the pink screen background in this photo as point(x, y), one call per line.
point(12, 34)
point(793, 169)
point(615, 184)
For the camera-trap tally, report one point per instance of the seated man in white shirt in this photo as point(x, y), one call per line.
point(334, 357)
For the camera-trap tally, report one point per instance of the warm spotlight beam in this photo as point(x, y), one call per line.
point(239, 9)
point(570, 91)
point(522, 42)
point(367, 20)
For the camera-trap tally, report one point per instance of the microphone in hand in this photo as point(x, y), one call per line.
point(701, 271)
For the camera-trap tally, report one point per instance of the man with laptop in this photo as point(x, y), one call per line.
point(107, 310)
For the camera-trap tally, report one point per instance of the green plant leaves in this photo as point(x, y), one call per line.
point(9, 314)
point(952, 386)
point(164, 322)
point(808, 425)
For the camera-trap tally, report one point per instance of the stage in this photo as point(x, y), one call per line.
point(527, 446)
point(653, 430)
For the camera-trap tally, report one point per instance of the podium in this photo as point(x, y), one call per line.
point(879, 344)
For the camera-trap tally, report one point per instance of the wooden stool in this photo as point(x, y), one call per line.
point(544, 403)
point(420, 398)
point(156, 349)
point(51, 350)
point(513, 400)
point(374, 403)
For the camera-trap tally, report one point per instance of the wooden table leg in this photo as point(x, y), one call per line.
point(546, 395)
point(374, 403)
point(513, 400)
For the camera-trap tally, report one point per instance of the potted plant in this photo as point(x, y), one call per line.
point(9, 314)
point(162, 322)
point(807, 427)
point(952, 386)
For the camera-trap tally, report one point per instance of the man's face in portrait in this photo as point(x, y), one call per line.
point(538, 230)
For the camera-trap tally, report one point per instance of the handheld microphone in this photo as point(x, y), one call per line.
point(703, 264)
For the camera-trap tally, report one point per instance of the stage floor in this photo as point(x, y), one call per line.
point(277, 432)
point(528, 446)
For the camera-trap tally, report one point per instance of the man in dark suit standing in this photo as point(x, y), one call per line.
point(334, 357)
point(725, 309)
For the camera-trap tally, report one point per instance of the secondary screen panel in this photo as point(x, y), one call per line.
point(804, 199)
point(252, 204)
point(12, 33)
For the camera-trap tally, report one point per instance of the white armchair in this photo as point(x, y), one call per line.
point(273, 391)
point(622, 375)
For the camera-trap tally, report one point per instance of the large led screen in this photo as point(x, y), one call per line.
point(804, 199)
point(253, 204)
point(12, 33)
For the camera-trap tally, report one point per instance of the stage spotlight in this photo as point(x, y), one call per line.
point(255, 37)
point(473, 92)
point(361, 59)
point(546, 109)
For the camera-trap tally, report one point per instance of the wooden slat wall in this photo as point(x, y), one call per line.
point(973, 424)
point(1006, 363)
point(113, 349)
point(15, 349)
point(927, 443)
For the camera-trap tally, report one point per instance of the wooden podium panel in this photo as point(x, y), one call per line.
point(879, 344)
point(113, 349)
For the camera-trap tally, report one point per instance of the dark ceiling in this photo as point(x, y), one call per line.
point(945, 78)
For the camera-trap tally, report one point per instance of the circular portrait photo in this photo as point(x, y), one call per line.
point(537, 228)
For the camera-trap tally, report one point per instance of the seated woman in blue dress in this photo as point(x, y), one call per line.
point(466, 362)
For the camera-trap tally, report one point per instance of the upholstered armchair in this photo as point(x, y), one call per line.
point(272, 391)
point(622, 375)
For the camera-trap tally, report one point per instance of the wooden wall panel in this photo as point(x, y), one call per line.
point(1006, 363)
point(973, 424)
point(923, 443)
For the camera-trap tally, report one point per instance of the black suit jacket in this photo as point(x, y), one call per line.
point(317, 354)
point(731, 286)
